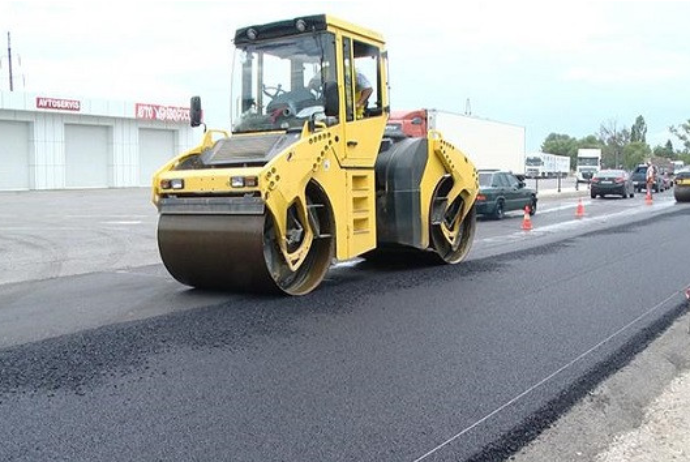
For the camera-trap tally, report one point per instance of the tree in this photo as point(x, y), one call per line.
point(669, 148)
point(590, 141)
point(635, 153)
point(613, 141)
point(562, 145)
point(682, 133)
point(638, 132)
point(665, 151)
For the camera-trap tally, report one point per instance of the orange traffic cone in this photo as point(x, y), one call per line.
point(648, 199)
point(580, 211)
point(526, 221)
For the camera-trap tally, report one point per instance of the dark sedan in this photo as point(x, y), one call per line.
point(500, 192)
point(617, 182)
point(681, 185)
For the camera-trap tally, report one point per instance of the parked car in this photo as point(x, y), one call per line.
point(617, 182)
point(501, 192)
point(639, 178)
point(681, 185)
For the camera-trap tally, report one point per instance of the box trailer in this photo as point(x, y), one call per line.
point(545, 165)
point(488, 143)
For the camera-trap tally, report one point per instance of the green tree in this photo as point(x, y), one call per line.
point(638, 132)
point(562, 145)
point(590, 141)
point(682, 132)
point(669, 148)
point(665, 150)
point(635, 153)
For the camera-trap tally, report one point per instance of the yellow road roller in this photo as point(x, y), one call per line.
point(307, 175)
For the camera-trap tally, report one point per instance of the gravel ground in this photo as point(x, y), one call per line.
point(623, 422)
point(664, 433)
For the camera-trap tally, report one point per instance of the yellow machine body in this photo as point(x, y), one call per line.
point(270, 205)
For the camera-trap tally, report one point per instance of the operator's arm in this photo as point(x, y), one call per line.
point(364, 89)
point(364, 96)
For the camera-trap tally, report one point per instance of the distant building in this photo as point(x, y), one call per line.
point(51, 142)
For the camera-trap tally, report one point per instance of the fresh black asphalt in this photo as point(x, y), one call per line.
point(395, 362)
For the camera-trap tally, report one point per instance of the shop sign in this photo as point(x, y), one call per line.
point(58, 104)
point(162, 113)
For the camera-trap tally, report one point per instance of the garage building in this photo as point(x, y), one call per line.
point(56, 143)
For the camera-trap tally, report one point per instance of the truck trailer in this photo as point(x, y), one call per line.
point(545, 165)
point(489, 144)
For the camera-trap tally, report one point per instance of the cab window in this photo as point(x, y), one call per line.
point(361, 63)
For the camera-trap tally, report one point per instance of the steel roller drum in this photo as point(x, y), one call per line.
point(216, 251)
point(236, 253)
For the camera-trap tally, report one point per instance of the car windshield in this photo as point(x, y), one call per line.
point(277, 83)
point(611, 174)
point(485, 179)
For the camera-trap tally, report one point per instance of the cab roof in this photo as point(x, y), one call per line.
point(302, 24)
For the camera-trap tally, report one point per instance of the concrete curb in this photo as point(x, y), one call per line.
point(564, 193)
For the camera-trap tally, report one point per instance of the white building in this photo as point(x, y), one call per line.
point(54, 143)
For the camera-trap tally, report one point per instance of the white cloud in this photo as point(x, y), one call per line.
point(491, 51)
point(620, 76)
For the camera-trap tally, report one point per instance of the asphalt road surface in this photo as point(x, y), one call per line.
point(110, 360)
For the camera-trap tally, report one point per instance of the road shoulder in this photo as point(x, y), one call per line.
point(635, 415)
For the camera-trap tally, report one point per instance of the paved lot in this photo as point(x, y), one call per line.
point(48, 234)
point(55, 234)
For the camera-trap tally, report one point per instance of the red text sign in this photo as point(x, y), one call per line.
point(59, 104)
point(162, 113)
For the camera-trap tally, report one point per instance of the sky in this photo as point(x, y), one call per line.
point(550, 66)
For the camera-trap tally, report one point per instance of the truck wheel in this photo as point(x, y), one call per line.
point(449, 238)
point(499, 212)
point(312, 271)
point(455, 251)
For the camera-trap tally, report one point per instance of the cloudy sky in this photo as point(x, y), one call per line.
point(550, 66)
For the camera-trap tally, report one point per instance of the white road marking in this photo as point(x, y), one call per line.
point(121, 222)
point(558, 208)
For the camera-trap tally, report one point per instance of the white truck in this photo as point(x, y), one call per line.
point(489, 144)
point(588, 164)
point(545, 165)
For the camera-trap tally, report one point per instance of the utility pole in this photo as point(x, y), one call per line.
point(9, 59)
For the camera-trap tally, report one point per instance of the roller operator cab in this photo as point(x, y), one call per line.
point(306, 176)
